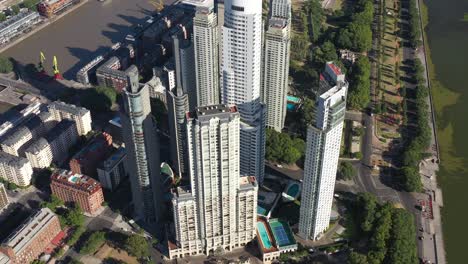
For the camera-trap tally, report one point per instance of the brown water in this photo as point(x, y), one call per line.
point(448, 42)
point(82, 34)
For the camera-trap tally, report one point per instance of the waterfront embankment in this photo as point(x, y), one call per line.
point(445, 42)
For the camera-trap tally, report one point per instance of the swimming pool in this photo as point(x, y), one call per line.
point(293, 190)
point(261, 210)
point(290, 107)
point(264, 235)
point(293, 99)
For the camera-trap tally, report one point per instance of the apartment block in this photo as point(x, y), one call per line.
point(54, 146)
point(80, 189)
point(4, 201)
point(80, 115)
point(17, 170)
point(29, 241)
point(89, 157)
point(113, 170)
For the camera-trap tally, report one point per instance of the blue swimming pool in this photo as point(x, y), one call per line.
point(264, 235)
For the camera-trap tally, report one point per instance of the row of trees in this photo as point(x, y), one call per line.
point(99, 99)
point(280, 147)
point(390, 233)
point(420, 140)
point(359, 90)
point(414, 25)
point(357, 35)
point(6, 65)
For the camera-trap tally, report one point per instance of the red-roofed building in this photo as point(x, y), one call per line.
point(77, 188)
point(88, 159)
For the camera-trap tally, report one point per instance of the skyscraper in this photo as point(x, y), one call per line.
point(205, 39)
point(220, 209)
point(276, 71)
point(280, 9)
point(241, 79)
point(141, 142)
point(178, 103)
point(322, 153)
point(185, 65)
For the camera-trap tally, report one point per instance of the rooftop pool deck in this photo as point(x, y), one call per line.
point(293, 99)
point(265, 238)
point(293, 190)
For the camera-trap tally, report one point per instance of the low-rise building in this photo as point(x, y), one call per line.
point(274, 237)
point(17, 24)
point(15, 169)
point(88, 158)
point(80, 115)
point(50, 8)
point(54, 146)
point(3, 197)
point(112, 171)
point(77, 188)
point(30, 240)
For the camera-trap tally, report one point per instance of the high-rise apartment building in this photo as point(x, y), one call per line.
point(141, 143)
point(220, 209)
point(3, 197)
point(322, 153)
point(280, 9)
point(184, 61)
point(80, 189)
point(29, 240)
point(241, 79)
point(15, 169)
point(276, 71)
point(179, 101)
point(80, 115)
point(205, 39)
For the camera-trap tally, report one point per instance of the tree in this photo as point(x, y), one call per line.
point(357, 258)
point(53, 203)
point(402, 246)
point(93, 243)
point(6, 65)
point(30, 4)
point(362, 36)
point(100, 99)
point(281, 148)
point(346, 171)
point(74, 216)
point(411, 179)
point(15, 9)
point(324, 53)
point(137, 246)
point(2, 17)
point(75, 236)
point(366, 206)
point(359, 90)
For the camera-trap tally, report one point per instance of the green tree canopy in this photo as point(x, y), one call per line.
point(137, 246)
point(359, 90)
point(324, 53)
point(346, 171)
point(6, 65)
point(99, 99)
point(93, 243)
point(281, 148)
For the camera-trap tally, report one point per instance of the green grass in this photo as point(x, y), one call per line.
point(465, 17)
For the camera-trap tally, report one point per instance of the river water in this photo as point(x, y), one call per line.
point(82, 34)
point(448, 42)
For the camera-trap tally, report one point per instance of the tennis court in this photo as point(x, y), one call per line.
point(282, 233)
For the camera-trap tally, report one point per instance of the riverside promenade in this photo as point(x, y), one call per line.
point(428, 170)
